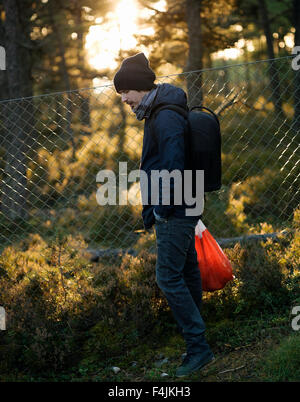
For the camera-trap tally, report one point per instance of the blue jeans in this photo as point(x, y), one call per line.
point(178, 276)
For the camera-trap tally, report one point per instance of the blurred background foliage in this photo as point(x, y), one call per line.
point(52, 146)
point(61, 123)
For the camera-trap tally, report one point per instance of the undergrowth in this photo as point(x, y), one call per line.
point(70, 319)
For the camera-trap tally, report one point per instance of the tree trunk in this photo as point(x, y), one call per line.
point(247, 71)
point(14, 186)
point(3, 90)
point(195, 55)
point(122, 131)
point(65, 78)
point(273, 71)
point(297, 73)
point(85, 118)
point(3, 77)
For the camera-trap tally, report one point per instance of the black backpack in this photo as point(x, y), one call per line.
point(202, 143)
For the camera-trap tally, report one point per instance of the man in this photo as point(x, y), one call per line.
point(177, 271)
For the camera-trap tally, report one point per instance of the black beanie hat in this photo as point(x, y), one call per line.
point(135, 74)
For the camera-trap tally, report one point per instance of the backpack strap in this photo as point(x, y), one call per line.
point(162, 106)
point(179, 109)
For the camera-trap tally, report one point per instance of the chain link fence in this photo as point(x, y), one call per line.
point(52, 147)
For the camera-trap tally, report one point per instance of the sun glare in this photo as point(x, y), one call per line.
point(126, 15)
point(104, 41)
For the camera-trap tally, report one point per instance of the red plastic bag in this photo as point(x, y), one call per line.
point(215, 268)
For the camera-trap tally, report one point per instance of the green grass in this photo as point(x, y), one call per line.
point(283, 362)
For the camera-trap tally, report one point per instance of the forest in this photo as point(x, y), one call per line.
point(77, 279)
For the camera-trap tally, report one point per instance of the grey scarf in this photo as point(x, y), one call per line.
point(142, 111)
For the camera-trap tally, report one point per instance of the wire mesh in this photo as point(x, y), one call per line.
point(52, 147)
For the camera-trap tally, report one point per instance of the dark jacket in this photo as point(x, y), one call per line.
point(164, 150)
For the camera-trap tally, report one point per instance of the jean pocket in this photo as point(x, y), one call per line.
point(160, 222)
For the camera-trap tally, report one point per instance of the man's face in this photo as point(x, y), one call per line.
point(132, 97)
